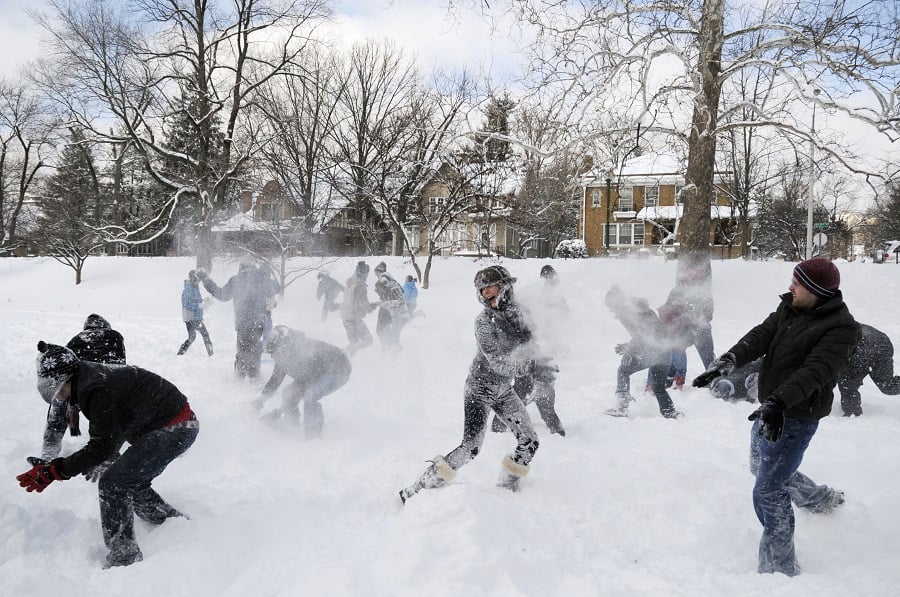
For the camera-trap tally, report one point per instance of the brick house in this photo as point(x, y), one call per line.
point(640, 208)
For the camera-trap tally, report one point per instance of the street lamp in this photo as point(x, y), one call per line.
point(812, 179)
point(608, 205)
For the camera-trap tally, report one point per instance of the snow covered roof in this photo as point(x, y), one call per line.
point(674, 212)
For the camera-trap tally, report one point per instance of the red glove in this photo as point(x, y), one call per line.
point(40, 476)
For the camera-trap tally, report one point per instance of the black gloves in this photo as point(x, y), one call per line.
point(724, 365)
point(41, 475)
point(771, 418)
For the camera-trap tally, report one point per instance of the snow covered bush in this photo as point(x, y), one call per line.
point(574, 249)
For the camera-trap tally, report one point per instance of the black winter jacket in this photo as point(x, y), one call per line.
point(122, 403)
point(804, 353)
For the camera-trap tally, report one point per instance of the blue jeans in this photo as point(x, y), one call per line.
point(775, 466)
point(125, 490)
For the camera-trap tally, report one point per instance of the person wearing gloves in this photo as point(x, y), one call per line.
point(251, 290)
point(123, 404)
point(805, 344)
point(500, 359)
point(192, 314)
point(317, 368)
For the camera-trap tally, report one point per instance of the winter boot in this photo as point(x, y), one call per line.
point(437, 475)
point(183, 349)
point(828, 505)
point(623, 398)
point(678, 383)
point(511, 473)
point(209, 348)
point(671, 413)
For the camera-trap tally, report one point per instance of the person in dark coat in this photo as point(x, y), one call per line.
point(317, 369)
point(805, 345)
point(393, 315)
point(500, 359)
point(874, 357)
point(192, 314)
point(327, 291)
point(123, 404)
point(250, 289)
point(98, 342)
point(650, 346)
point(355, 306)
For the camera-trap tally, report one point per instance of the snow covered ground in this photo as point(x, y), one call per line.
point(639, 506)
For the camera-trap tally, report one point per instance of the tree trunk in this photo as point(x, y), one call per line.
point(700, 188)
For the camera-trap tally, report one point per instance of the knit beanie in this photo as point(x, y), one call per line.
point(362, 268)
point(820, 276)
point(381, 267)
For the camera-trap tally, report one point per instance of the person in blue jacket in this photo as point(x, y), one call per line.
point(192, 313)
point(410, 294)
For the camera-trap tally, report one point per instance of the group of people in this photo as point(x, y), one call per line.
point(791, 361)
point(396, 305)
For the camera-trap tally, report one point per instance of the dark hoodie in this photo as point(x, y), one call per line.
point(98, 342)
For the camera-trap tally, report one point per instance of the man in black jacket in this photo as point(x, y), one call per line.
point(123, 404)
point(805, 344)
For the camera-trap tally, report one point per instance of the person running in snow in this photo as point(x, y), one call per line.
point(327, 291)
point(355, 306)
point(805, 343)
point(650, 347)
point(317, 368)
point(874, 357)
point(98, 342)
point(393, 314)
point(410, 295)
point(192, 314)
point(123, 403)
point(249, 289)
point(489, 386)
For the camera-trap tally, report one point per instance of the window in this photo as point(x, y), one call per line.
point(626, 199)
point(626, 234)
point(651, 196)
point(595, 198)
point(436, 204)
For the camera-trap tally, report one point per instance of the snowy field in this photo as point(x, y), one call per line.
point(638, 506)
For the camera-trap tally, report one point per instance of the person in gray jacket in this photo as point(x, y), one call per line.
point(501, 358)
point(355, 306)
point(317, 368)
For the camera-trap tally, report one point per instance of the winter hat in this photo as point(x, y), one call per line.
point(820, 276)
point(55, 366)
point(362, 268)
point(246, 262)
point(279, 338)
point(96, 322)
point(381, 267)
point(548, 272)
point(493, 275)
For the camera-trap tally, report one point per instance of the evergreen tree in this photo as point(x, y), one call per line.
point(72, 209)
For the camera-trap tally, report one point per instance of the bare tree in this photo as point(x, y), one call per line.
point(27, 134)
point(134, 62)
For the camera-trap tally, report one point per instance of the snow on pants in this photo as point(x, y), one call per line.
point(778, 463)
point(249, 352)
point(310, 391)
point(357, 333)
point(125, 490)
point(192, 328)
point(659, 370)
point(481, 396)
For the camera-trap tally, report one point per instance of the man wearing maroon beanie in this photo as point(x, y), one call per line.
point(805, 344)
